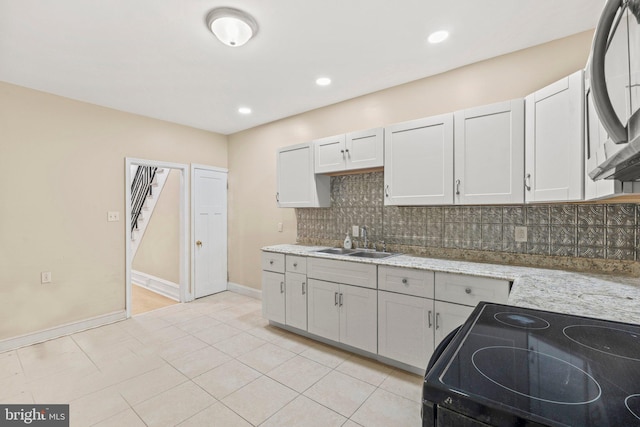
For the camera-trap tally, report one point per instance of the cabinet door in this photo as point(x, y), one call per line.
point(273, 296)
point(296, 300)
point(489, 154)
point(365, 149)
point(418, 162)
point(323, 309)
point(554, 141)
point(297, 184)
point(405, 328)
point(448, 317)
point(330, 154)
point(358, 317)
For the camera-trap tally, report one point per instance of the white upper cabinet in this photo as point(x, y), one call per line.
point(554, 142)
point(489, 154)
point(418, 162)
point(298, 186)
point(356, 150)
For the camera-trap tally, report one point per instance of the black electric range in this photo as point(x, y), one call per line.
point(512, 366)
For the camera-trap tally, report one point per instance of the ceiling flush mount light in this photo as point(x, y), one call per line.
point(232, 27)
point(244, 110)
point(323, 81)
point(438, 37)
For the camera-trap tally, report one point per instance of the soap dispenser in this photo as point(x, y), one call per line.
point(347, 241)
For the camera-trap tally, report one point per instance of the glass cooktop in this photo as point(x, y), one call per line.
point(509, 365)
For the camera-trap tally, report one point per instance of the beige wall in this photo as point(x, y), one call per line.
point(159, 250)
point(62, 168)
point(253, 215)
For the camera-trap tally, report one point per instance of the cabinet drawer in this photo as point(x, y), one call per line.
point(470, 290)
point(273, 262)
point(406, 281)
point(296, 264)
point(351, 273)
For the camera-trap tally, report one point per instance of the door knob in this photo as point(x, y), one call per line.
point(199, 243)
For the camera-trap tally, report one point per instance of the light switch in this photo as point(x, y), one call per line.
point(355, 231)
point(280, 227)
point(113, 216)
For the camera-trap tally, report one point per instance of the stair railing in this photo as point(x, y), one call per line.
point(141, 188)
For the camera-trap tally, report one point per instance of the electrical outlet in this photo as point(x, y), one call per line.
point(45, 277)
point(521, 234)
point(355, 231)
point(113, 216)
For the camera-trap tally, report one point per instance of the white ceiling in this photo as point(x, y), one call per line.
point(158, 59)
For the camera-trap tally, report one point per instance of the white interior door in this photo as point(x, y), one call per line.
point(210, 231)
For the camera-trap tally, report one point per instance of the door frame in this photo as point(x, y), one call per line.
point(195, 166)
point(186, 287)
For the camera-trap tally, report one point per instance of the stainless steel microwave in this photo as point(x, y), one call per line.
point(613, 74)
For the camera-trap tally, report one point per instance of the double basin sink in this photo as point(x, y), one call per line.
point(356, 253)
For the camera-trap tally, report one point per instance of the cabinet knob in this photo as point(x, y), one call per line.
point(405, 281)
point(271, 262)
point(468, 290)
point(295, 265)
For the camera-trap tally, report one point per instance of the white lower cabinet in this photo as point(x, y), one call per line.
point(273, 296)
point(405, 328)
point(343, 313)
point(296, 300)
point(448, 317)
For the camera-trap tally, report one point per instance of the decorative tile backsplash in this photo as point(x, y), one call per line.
point(600, 231)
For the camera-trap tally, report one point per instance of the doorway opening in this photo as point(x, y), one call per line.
point(178, 177)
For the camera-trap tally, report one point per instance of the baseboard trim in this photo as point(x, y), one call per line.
point(244, 290)
point(62, 330)
point(156, 284)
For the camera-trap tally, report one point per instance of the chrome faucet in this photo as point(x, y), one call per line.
point(364, 237)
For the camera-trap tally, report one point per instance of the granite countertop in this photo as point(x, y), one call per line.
point(606, 297)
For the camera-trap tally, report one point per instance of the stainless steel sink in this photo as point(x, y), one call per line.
point(360, 253)
point(375, 255)
point(337, 251)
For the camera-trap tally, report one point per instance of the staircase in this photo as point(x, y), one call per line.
point(146, 188)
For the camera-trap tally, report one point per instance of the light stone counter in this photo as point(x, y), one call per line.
point(606, 297)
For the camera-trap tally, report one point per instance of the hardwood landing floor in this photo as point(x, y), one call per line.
point(144, 300)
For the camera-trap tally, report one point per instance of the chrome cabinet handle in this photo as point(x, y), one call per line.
point(527, 182)
point(303, 291)
point(278, 197)
point(429, 318)
point(342, 151)
point(282, 287)
point(457, 187)
point(437, 320)
point(341, 300)
point(468, 290)
point(405, 281)
point(335, 298)
point(347, 151)
point(386, 191)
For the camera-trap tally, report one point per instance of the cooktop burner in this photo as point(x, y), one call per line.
point(565, 384)
point(516, 366)
point(608, 340)
point(519, 320)
point(633, 405)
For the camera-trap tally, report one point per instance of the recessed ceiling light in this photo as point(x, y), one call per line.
point(244, 110)
point(232, 27)
point(323, 81)
point(438, 36)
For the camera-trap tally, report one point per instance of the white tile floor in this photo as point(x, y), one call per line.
point(212, 362)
